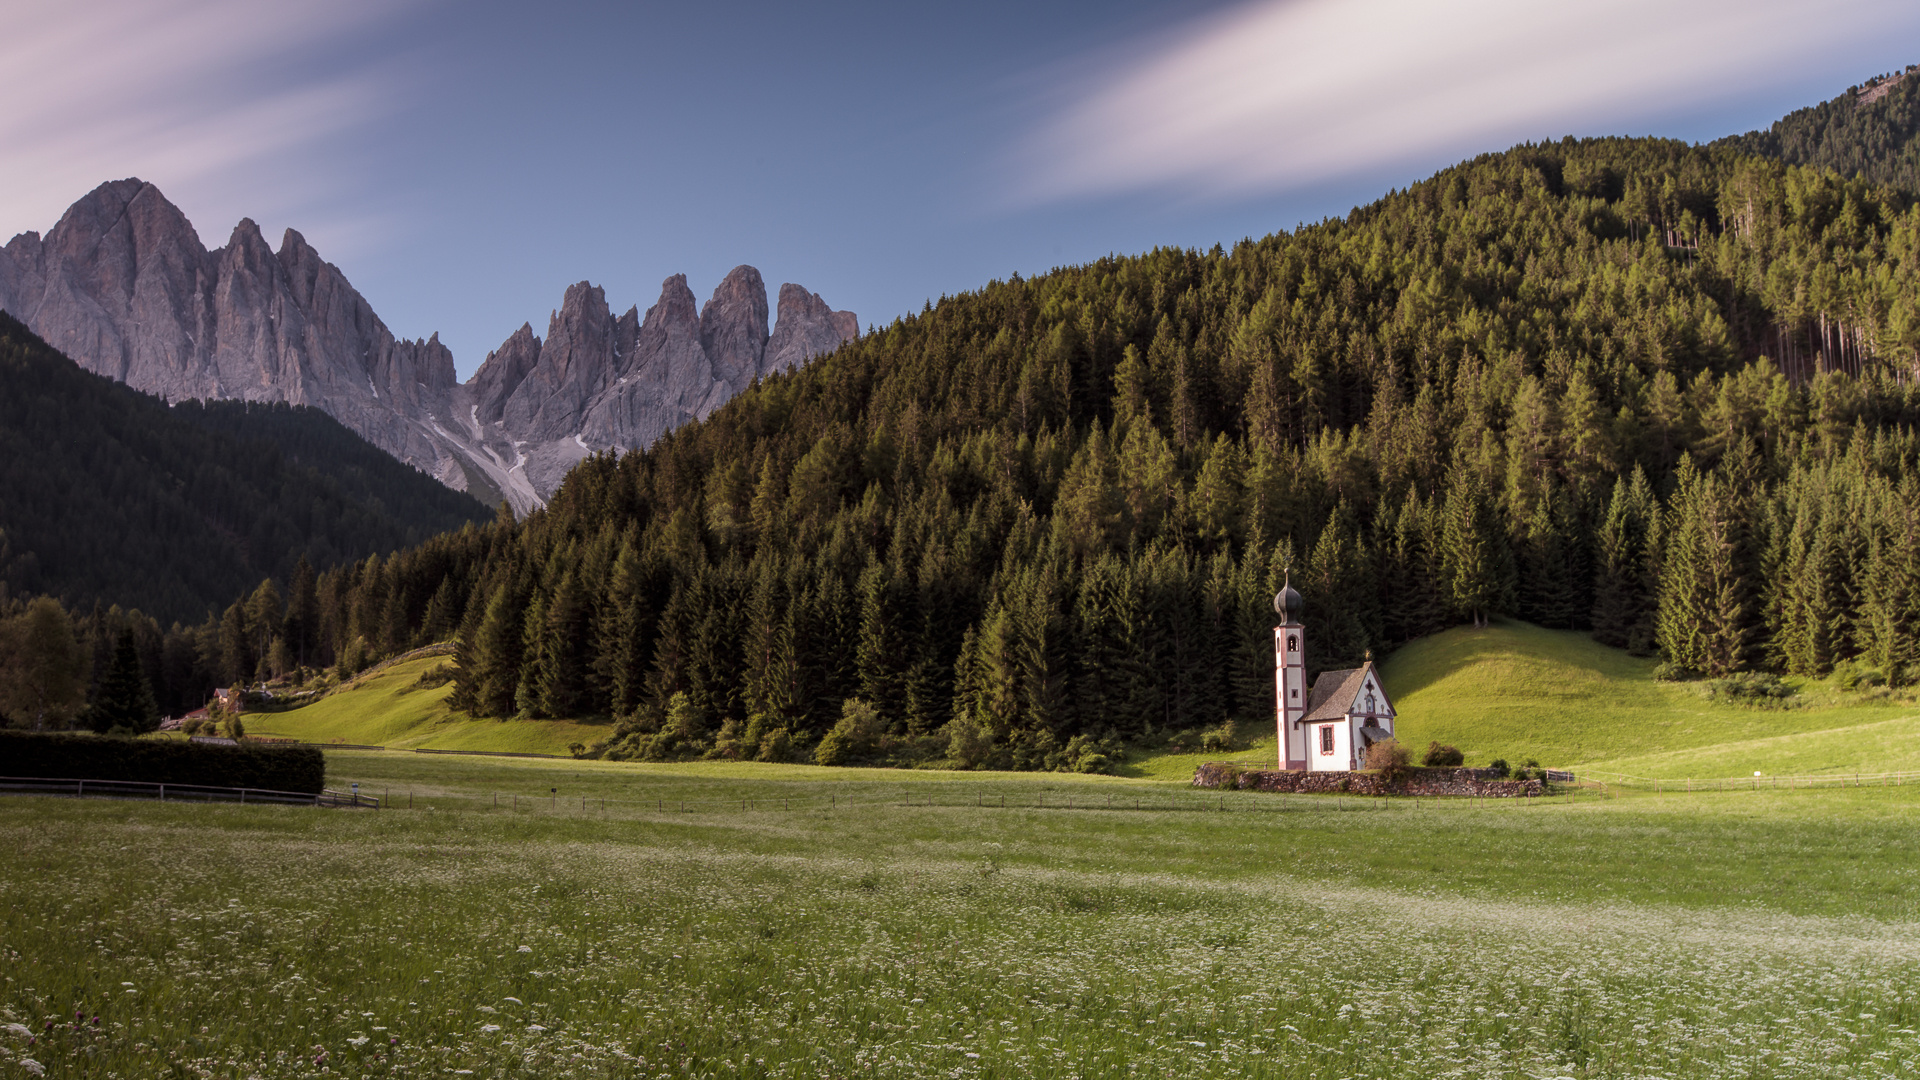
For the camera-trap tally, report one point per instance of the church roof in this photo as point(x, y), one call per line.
point(1334, 692)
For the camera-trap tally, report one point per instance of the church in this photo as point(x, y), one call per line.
point(1327, 728)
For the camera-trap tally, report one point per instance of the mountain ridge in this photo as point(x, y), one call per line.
point(124, 285)
point(114, 497)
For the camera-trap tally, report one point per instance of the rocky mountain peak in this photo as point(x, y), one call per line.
point(733, 326)
point(807, 328)
point(123, 285)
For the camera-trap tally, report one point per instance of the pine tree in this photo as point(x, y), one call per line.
point(884, 649)
point(1551, 585)
point(1623, 591)
point(1474, 558)
point(498, 645)
point(125, 701)
point(1336, 589)
point(303, 613)
point(563, 678)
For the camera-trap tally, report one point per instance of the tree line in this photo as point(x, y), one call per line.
point(113, 496)
point(1663, 393)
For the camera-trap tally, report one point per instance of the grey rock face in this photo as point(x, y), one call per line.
point(124, 286)
point(807, 328)
point(733, 326)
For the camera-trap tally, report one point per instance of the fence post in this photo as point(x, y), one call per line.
point(163, 793)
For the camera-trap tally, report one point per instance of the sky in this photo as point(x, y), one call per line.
point(463, 162)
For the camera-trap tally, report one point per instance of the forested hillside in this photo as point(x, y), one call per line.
point(110, 496)
point(1872, 132)
point(1661, 391)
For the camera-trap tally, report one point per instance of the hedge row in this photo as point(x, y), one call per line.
point(157, 761)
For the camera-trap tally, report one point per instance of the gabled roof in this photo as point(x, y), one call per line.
point(1334, 692)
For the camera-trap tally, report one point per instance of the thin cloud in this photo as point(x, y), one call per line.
point(1278, 95)
point(193, 95)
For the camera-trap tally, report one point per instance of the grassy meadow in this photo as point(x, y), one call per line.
point(1518, 691)
point(795, 921)
point(389, 706)
point(1511, 691)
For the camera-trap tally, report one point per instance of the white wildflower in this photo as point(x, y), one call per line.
point(524, 948)
point(33, 1067)
point(489, 1028)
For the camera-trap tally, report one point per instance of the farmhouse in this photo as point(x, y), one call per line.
point(1326, 728)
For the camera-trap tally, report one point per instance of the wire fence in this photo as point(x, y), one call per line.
point(978, 801)
point(132, 789)
point(1756, 782)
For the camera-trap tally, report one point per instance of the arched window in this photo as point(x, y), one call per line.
point(1293, 642)
point(1370, 709)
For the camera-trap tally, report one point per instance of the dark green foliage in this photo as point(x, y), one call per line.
point(1622, 383)
point(154, 761)
point(1438, 756)
point(113, 496)
point(125, 700)
point(1753, 688)
point(1871, 131)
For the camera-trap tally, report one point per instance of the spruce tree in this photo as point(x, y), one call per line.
point(497, 649)
point(563, 679)
point(1474, 558)
point(125, 701)
point(1623, 593)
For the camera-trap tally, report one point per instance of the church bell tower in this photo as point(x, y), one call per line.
point(1290, 675)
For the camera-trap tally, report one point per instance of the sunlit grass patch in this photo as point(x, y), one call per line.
point(1517, 691)
point(390, 707)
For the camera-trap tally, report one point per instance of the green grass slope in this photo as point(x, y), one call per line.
point(389, 707)
point(1512, 691)
point(1518, 691)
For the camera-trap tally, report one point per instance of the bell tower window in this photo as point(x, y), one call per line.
point(1293, 642)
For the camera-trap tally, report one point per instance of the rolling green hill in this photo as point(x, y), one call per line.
point(1512, 691)
point(1517, 691)
point(390, 707)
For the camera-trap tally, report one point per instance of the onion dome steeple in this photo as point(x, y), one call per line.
point(1288, 603)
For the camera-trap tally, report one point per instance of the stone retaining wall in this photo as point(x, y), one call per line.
point(1420, 781)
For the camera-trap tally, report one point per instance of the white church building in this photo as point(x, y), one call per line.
point(1329, 727)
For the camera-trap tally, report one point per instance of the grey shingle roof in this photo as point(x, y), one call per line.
point(1333, 691)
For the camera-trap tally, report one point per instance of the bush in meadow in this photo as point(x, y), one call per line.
point(854, 737)
point(1389, 757)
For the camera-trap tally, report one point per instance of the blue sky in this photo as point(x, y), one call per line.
point(465, 162)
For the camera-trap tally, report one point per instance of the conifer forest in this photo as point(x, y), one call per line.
point(1661, 392)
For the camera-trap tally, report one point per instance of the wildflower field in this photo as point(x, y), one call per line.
point(804, 922)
